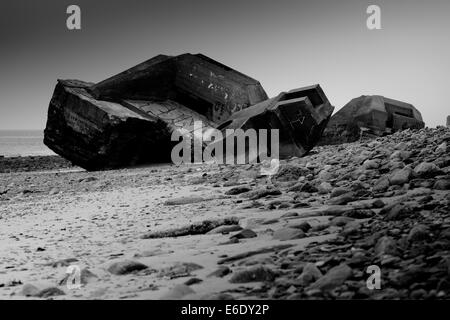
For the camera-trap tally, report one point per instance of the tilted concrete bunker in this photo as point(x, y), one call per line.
point(371, 116)
point(128, 119)
point(300, 115)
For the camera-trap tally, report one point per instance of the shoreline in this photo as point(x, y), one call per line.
point(33, 163)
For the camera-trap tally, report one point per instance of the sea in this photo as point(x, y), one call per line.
point(14, 143)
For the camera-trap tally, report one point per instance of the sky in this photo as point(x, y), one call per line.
point(284, 44)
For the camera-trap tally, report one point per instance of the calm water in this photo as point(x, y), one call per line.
point(23, 143)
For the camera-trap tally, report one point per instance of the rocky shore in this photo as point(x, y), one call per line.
point(311, 231)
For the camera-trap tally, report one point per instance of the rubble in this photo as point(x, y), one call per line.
point(370, 116)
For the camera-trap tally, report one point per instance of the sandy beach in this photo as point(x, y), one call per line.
point(228, 232)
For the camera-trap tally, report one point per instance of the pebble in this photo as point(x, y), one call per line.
point(426, 169)
point(335, 277)
point(126, 267)
point(324, 188)
point(238, 190)
point(309, 274)
point(289, 214)
point(244, 234)
point(222, 271)
point(255, 274)
point(401, 176)
point(386, 245)
point(419, 232)
point(225, 229)
point(340, 221)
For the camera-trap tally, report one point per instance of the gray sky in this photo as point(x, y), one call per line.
point(283, 44)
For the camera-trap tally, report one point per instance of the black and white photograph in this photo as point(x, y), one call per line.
point(248, 150)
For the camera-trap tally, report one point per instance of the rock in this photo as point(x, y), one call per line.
point(400, 176)
point(335, 277)
point(50, 292)
point(381, 184)
point(418, 294)
point(289, 214)
point(340, 221)
point(183, 200)
point(222, 271)
point(359, 213)
point(201, 227)
point(255, 274)
point(303, 187)
point(261, 193)
point(324, 188)
point(53, 191)
point(177, 292)
point(442, 148)
point(88, 179)
point(238, 190)
point(309, 274)
point(419, 232)
point(225, 229)
point(426, 169)
point(388, 260)
point(192, 281)
point(343, 199)
point(325, 175)
point(304, 226)
point(396, 212)
point(270, 221)
point(442, 184)
point(30, 290)
point(400, 155)
point(377, 203)
point(386, 245)
point(371, 164)
point(288, 234)
point(126, 267)
point(336, 192)
point(352, 228)
point(358, 259)
point(245, 234)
